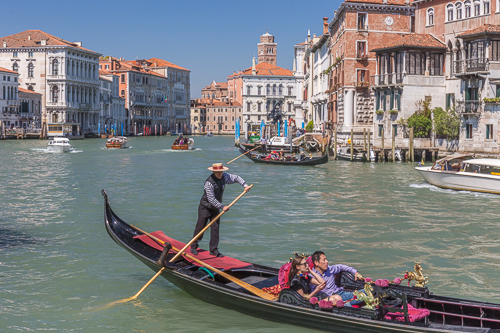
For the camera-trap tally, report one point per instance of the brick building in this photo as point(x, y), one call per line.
point(215, 90)
point(267, 49)
point(198, 114)
point(221, 116)
point(356, 28)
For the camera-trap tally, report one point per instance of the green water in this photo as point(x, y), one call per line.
point(58, 266)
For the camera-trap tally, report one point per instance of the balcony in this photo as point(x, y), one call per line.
point(362, 84)
point(361, 56)
point(470, 66)
point(469, 107)
point(362, 27)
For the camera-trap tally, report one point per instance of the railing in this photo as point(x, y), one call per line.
point(362, 84)
point(469, 106)
point(389, 78)
point(361, 56)
point(470, 65)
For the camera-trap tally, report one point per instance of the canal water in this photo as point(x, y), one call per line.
point(58, 266)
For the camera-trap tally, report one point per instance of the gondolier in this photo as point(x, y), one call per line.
point(211, 204)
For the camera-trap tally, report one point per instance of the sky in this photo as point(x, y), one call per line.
point(210, 38)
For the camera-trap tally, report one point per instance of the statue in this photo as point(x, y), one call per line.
point(418, 276)
point(367, 297)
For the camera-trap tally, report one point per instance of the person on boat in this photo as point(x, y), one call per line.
point(177, 140)
point(274, 155)
point(263, 142)
point(211, 204)
point(328, 274)
point(301, 277)
point(302, 156)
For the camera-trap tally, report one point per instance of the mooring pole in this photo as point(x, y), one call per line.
point(412, 152)
point(383, 150)
point(352, 144)
point(393, 145)
point(335, 145)
point(368, 146)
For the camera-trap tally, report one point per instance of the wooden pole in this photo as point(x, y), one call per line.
point(352, 144)
point(393, 145)
point(368, 146)
point(335, 146)
point(382, 143)
point(412, 153)
point(364, 139)
point(234, 159)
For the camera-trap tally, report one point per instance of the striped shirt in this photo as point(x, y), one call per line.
point(228, 179)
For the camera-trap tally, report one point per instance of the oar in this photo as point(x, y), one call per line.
point(234, 159)
point(254, 290)
point(206, 227)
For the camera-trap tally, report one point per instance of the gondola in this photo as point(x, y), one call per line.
point(446, 314)
point(308, 161)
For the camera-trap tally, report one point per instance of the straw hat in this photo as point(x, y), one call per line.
point(218, 167)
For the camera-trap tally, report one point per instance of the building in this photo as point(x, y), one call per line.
point(221, 116)
point(216, 91)
point(198, 114)
point(357, 27)
point(299, 68)
point(113, 113)
point(267, 49)
point(30, 107)
point(9, 103)
point(65, 73)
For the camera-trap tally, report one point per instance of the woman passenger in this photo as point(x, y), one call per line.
point(300, 276)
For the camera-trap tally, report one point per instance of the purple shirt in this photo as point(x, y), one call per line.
point(329, 276)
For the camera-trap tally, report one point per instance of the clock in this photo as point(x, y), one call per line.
point(388, 20)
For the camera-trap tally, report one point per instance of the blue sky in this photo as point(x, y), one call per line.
point(210, 38)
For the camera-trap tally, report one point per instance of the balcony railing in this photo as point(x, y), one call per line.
point(362, 84)
point(473, 65)
point(469, 106)
point(361, 56)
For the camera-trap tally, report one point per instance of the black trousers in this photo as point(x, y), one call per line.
point(205, 214)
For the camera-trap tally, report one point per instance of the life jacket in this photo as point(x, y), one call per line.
point(219, 185)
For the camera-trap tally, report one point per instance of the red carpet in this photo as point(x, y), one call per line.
point(203, 255)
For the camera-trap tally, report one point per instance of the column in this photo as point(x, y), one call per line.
point(427, 63)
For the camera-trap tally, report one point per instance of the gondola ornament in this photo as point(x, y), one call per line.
point(418, 276)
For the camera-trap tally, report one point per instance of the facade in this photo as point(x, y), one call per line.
point(30, 109)
point(221, 116)
point(357, 27)
point(299, 68)
point(9, 102)
point(198, 114)
point(113, 113)
point(65, 73)
point(216, 91)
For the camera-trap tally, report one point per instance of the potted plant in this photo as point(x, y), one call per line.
point(394, 111)
point(379, 112)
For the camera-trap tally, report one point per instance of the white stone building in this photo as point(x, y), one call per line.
point(9, 100)
point(113, 111)
point(300, 104)
point(65, 73)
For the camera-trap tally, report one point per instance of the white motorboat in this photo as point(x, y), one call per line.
point(462, 172)
point(59, 145)
point(117, 142)
point(344, 153)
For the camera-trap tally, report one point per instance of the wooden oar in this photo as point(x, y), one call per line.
point(206, 227)
point(254, 290)
point(234, 159)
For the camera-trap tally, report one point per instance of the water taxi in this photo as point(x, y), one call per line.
point(59, 145)
point(183, 146)
point(117, 142)
point(462, 172)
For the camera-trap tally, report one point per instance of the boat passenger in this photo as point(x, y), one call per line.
point(300, 277)
point(328, 274)
point(302, 156)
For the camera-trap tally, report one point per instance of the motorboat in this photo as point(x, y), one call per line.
point(275, 143)
point(344, 153)
point(210, 134)
point(286, 160)
point(463, 172)
point(59, 145)
point(256, 290)
point(184, 145)
point(117, 142)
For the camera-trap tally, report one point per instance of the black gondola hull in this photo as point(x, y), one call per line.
point(313, 161)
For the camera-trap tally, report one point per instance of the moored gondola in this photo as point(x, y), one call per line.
point(258, 158)
point(446, 314)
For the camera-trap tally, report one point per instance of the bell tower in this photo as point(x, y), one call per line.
point(267, 49)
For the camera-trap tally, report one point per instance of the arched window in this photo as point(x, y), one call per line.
point(258, 90)
point(213, 95)
point(280, 90)
point(55, 94)
point(268, 89)
point(430, 16)
point(449, 12)
point(458, 8)
point(55, 67)
point(259, 108)
point(486, 6)
point(467, 9)
point(477, 7)
point(15, 67)
point(274, 89)
point(30, 70)
point(248, 106)
point(248, 90)
point(4, 93)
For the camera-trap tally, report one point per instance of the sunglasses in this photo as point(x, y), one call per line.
point(303, 263)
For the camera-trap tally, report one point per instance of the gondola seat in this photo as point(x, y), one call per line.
point(291, 297)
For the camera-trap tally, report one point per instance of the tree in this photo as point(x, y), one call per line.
point(421, 121)
point(310, 126)
point(446, 123)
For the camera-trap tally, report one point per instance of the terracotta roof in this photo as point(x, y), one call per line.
point(219, 103)
point(28, 91)
point(481, 30)
point(130, 65)
point(7, 70)
point(33, 38)
point(164, 63)
point(389, 2)
point(265, 69)
point(425, 41)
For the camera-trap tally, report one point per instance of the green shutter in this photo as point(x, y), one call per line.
point(399, 100)
point(384, 101)
point(448, 101)
point(467, 94)
point(392, 100)
point(377, 98)
point(498, 90)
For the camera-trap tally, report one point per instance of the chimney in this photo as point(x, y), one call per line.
point(325, 25)
point(254, 70)
point(294, 65)
point(43, 42)
point(4, 44)
point(29, 37)
point(78, 44)
point(314, 35)
point(308, 35)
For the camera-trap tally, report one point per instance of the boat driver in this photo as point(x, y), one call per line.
point(211, 204)
point(328, 274)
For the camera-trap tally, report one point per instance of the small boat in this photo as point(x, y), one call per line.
point(210, 134)
point(259, 158)
point(59, 145)
point(344, 153)
point(442, 313)
point(462, 172)
point(186, 146)
point(117, 142)
point(275, 143)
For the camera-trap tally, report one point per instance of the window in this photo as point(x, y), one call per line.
point(248, 90)
point(437, 61)
point(468, 131)
point(122, 78)
point(122, 93)
point(289, 91)
point(380, 130)
point(55, 67)
point(14, 54)
point(458, 8)
point(467, 9)
point(361, 49)
point(259, 90)
point(395, 130)
point(259, 107)
point(280, 90)
point(415, 63)
point(107, 66)
point(274, 89)
point(486, 7)
point(30, 54)
point(477, 8)
point(450, 101)
point(430, 16)
point(362, 21)
point(289, 107)
point(268, 89)
point(449, 11)
point(55, 94)
point(248, 106)
point(15, 67)
point(30, 70)
point(489, 132)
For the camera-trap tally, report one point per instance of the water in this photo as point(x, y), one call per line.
point(58, 266)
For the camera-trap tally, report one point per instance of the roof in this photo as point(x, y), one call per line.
point(155, 62)
point(7, 70)
point(486, 161)
point(222, 85)
point(484, 29)
point(455, 156)
point(33, 38)
point(425, 41)
point(389, 2)
point(28, 91)
point(218, 103)
point(265, 69)
point(131, 65)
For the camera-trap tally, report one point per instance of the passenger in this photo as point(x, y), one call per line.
point(302, 156)
point(300, 277)
point(274, 155)
point(326, 272)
